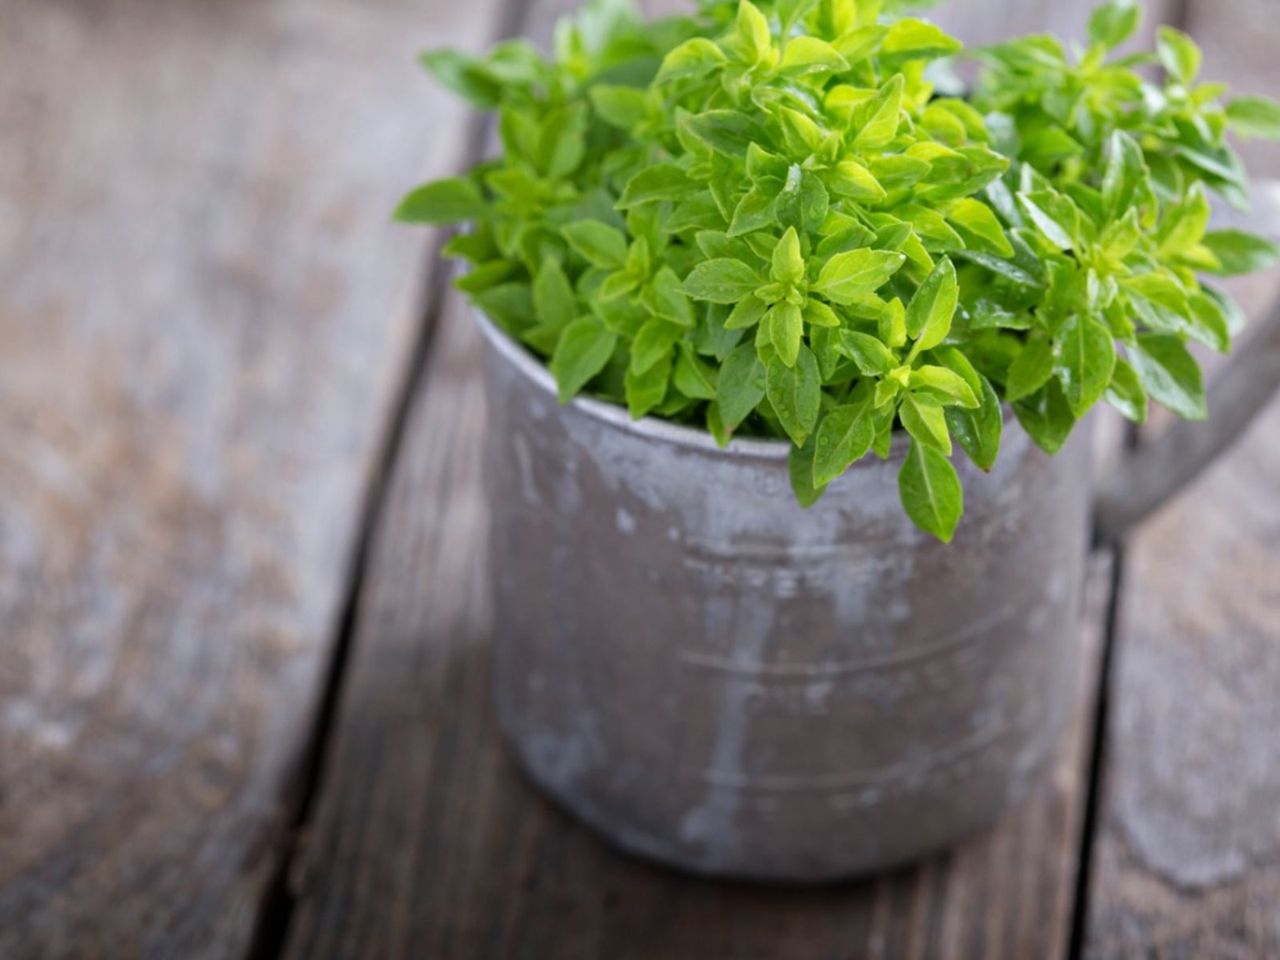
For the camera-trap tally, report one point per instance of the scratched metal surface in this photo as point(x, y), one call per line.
point(717, 678)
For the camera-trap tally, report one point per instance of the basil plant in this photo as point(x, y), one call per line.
point(768, 220)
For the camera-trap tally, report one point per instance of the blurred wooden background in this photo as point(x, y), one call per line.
point(242, 664)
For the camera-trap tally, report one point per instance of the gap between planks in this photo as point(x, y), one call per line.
point(275, 911)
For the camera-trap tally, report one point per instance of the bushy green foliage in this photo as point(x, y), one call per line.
point(766, 220)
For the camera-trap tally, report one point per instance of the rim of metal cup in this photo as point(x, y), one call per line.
point(664, 431)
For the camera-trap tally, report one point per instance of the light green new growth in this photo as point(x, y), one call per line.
point(766, 220)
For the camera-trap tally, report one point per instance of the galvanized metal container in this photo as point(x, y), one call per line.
point(715, 678)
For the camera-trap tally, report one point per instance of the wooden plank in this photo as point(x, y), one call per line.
point(205, 316)
point(1187, 856)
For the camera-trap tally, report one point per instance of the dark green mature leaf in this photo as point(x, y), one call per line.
point(930, 490)
point(1087, 359)
point(646, 391)
point(845, 436)
point(741, 385)
point(444, 201)
point(725, 131)
point(584, 348)
point(978, 431)
point(800, 468)
point(796, 394)
point(1046, 417)
point(1170, 374)
point(1031, 369)
point(1126, 392)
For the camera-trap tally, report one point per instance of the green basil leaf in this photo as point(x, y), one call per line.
point(1178, 54)
point(740, 386)
point(693, 377)
point(1255, 117)
point(444, 201)
point(562, 140)
point(746, 314)
point(795, 393)
point(877, 120)
point(664, 181)
point(847, 276)
point(933, 307)
point(804, 55)
point(755, 211)
point(646, 391)
point(721, 281)
point(787, 328)
point(844, 436)
point(1238, 252)
point(694, 58)
point(1124, 174)
point(788, 262)
point(621, 107)
point(1046, 417)
point(1126, 392)
point(554, 302)
point(665, 298)
point(979, 227)
point(912, 39)
point(584, 349)
point(800, 469)
point(930, 491)
point(851, 179)
point(926, 422)
point(869, 355)
point(1111, 24)
point(1031, 369)
point(1170, 374)
point(653, 341)
point(598, 243)
point(943, 385)
point(979, 430)
point(1088, 357)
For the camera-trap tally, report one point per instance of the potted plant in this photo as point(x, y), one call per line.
point(769, 246)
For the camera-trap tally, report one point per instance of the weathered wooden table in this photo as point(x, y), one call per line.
point(243, 678)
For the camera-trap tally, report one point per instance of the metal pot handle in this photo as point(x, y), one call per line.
point(1155, 472)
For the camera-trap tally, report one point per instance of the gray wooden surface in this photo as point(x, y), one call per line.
point(243, 681)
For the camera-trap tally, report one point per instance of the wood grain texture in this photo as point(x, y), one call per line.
point(428, 842)
point(204, 313)
point(1187, 856)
